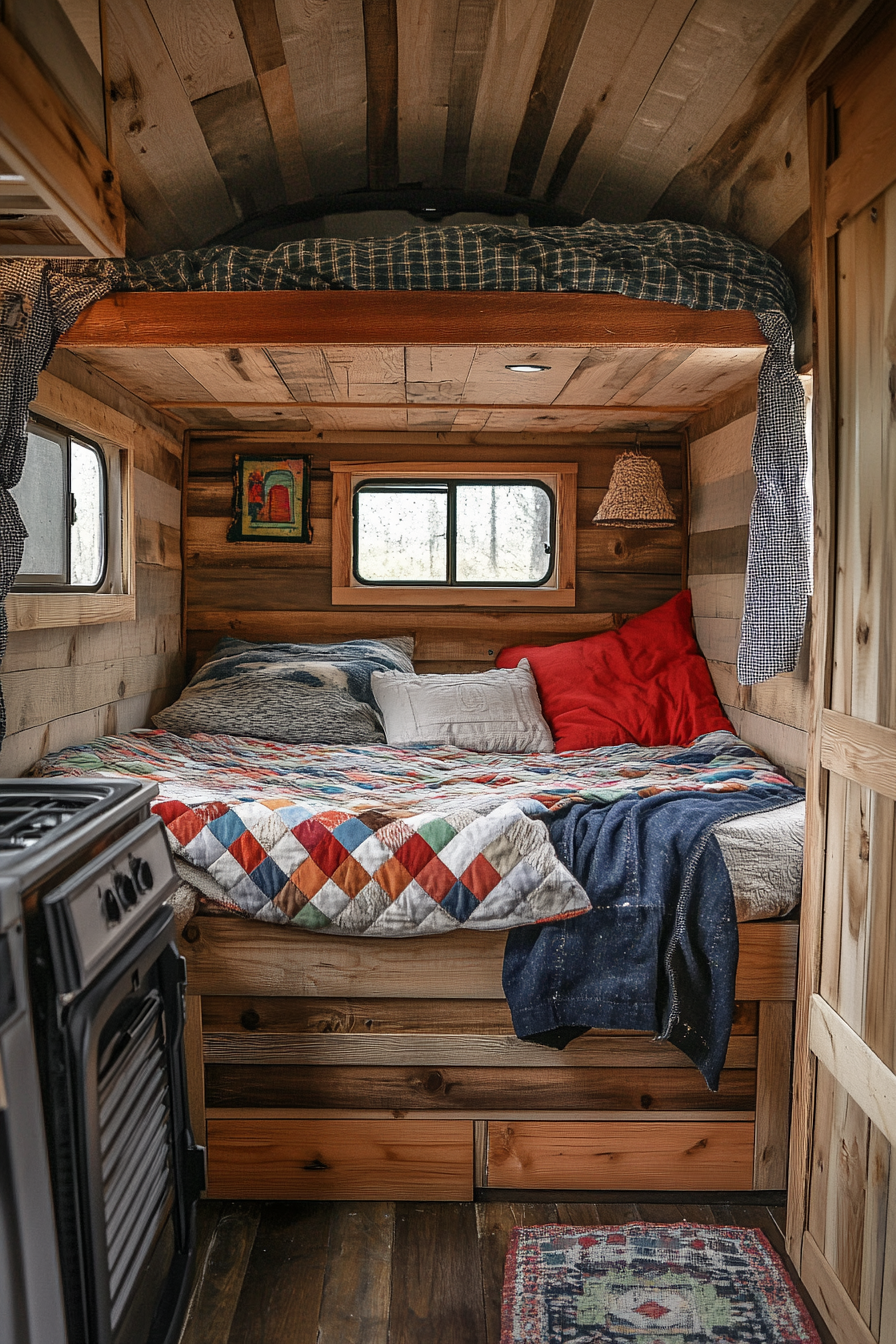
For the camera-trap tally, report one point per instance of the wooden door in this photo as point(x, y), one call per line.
point(842, 1212)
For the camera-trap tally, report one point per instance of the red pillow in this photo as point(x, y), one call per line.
point(647, 682)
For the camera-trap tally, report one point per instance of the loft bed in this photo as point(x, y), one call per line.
point(358, 1068)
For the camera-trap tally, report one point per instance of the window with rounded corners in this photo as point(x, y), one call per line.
point(63, 499)
point(470, 533)
point(454, 533)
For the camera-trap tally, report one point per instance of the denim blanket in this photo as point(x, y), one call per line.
point(658, 950)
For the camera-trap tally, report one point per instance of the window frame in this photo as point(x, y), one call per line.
point(42, 608)
point(557, 478)
point(37, 584)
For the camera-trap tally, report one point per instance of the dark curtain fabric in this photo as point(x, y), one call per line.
point(39, 300)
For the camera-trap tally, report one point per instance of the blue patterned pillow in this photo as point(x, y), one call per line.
point(289, 692)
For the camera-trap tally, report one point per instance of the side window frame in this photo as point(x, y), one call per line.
point(36, 583)
point(557, 590)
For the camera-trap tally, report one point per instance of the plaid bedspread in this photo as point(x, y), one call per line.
point(390, 841)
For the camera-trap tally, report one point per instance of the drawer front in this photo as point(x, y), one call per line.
point(340, 1159)
point(584, 1155)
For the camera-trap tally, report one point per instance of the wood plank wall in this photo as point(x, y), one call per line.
point(70, 684)
point(281, 591)
point(774, 714)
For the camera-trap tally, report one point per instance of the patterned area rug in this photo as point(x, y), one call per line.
point(649, 1283)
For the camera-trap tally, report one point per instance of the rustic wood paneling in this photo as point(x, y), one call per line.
point(617, 571)
point(70, 683)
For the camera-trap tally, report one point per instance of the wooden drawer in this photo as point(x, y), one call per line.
point(340, 1159)
point(584, 1155)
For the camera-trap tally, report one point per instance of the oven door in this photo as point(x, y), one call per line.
point(128, 1172)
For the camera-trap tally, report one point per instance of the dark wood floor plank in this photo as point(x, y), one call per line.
point(226, 1234)
point(281, 1296)
point(613, 1215)
point(579, 1215)
point(358, 1281)
point(660, 1213)
point(436, 1279)
point(494, 1223)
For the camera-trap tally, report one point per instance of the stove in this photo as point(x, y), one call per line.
point(98, 984)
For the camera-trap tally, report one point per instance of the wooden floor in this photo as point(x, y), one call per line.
point(384, 1273)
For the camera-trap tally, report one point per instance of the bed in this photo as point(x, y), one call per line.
point(387, 1067)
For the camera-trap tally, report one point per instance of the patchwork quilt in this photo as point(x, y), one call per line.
point(392, 841)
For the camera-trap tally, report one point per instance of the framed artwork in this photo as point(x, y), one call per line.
point(271, 499)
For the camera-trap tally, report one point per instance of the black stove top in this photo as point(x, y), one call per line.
point(42, 821)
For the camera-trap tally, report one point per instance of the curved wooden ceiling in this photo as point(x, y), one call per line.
point(227, 110)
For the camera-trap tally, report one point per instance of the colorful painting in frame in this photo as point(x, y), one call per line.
point(271, 499)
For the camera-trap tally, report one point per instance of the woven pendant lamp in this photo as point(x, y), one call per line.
point(637, 496)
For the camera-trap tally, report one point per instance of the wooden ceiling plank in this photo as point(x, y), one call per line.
point(261, 32)
point(703, 376)
point(750, 172)
point(437, 373)
point(324, 47)
point(245, 373)
point(154, 114)
point(602, 372)
point(546, 90)
point(385, 418)
point(367, 373)
point(576, 421)
point(621, 50)
point(425, 47)
point(663, 363)
point(381, 48)
point(235, 125)
point(489, 380)
point(516, 43)
point(152, 224)
point(633, 412)
point(306, 373)
point(205, 43)
point(474, 19)
point(431, 419)
point(409, 317)
point(145, 373)
point(714, 49)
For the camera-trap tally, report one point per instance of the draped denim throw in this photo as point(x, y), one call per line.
point(658, 951)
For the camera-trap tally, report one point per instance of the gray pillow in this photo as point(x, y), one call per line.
point(495, 711)
point(289, 692)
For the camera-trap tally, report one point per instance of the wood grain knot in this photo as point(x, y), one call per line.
point(191, 933)
point(250, 1019)
point(315, 1165)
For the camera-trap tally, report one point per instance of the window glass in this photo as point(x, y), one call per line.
point(401, 534)
point(42, 498)
point(62, 498)
point(453, 532)
point(503, 533)
point(88, 500)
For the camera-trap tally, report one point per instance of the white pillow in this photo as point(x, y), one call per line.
point(497, 710)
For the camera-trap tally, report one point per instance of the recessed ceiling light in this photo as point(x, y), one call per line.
point(528, 368)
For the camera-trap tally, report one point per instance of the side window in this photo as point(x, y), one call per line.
point(63, 498)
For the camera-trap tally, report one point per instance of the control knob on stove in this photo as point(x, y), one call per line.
point(141, 873)
point(127, 892)
point(111, 908)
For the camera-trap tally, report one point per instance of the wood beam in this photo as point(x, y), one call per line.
point(304, 318)
point(44, 142)
point(862, 752)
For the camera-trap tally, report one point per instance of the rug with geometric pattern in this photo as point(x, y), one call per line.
point(649, 1283)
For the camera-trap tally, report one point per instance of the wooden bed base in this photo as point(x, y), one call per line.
point(351, 1068)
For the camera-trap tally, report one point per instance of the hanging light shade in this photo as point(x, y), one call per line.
point(637, 496)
